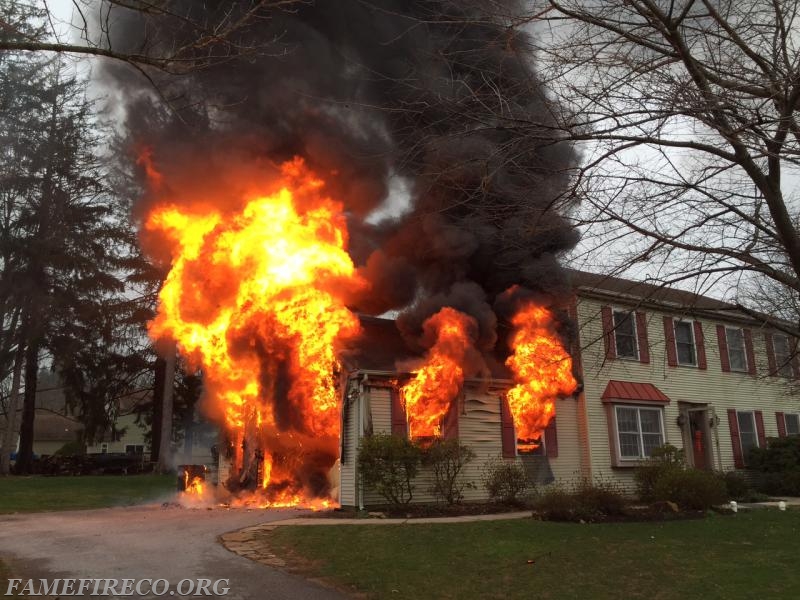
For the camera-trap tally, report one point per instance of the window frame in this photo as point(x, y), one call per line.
point(632, 316)
point(786, 423)
point(745, 451)
point(690, 324)
point(785, 368)
point(746, 367)
point(630, 460)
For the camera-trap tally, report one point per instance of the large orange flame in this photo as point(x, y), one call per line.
point(438, 382)
point(542, 371)
point(255, 297)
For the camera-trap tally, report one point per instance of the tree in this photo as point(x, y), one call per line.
point(67, 245)
point(210, 32)
point(687, 114)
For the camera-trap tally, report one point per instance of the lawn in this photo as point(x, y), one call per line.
point(37, 493)
point(749, 555)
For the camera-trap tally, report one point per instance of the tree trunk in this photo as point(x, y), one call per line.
point(159, 371)
point(188, 435)
point(13, 407)
point(165, 446)
point(25, 456)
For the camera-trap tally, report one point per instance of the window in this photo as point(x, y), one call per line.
point(639, 431)
point(134, 449)
point(625, 334)
point(783, 354)
point(792, 421)
point(684, 343)
point(737, 357)
point(104, 448)
point(748, 437)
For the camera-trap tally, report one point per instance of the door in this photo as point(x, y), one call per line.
point(698, 431)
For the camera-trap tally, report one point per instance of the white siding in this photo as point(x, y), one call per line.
point(347, 473)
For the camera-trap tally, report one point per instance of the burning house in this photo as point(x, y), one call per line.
point(369, 158)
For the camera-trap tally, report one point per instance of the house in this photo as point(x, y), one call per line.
point(658, 366)
point(667, 366)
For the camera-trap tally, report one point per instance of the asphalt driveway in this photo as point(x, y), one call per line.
point(149, 542)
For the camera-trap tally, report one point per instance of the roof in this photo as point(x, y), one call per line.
point(381, 347)
point(632, 390)
point(648, 294)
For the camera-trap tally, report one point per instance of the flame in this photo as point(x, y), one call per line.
point(542, 371)
point(255, 297)
point(195, 487)
point(438, 382)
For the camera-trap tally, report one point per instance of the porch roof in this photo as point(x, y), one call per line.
point(632, 390)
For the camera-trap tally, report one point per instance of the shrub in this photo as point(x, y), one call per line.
point(447, 459)
point(389, 464)
point(786, 483)
point(584, 501)
point(780, 455)
point(736, 485)
point(505, 480)
point(690, 488)
point(663, 460)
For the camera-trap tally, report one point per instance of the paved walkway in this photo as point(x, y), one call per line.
point(149, 542)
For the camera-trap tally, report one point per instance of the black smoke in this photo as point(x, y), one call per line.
point(442, 95)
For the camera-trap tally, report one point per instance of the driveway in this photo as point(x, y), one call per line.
point(149, 542)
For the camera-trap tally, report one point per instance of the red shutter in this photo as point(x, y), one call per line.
point(771, 364)
point(450, 425)
point(641, 332)
point(781, 424)
point(399, 423)
point(748, 348)
point(608, 332)
point(722, 339)
point(509, 438)
point(762, 439)
point(700, 344)
point(736, 443)
point(551, 439)
point(669, 338)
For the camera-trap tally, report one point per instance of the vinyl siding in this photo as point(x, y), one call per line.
point(480, 429)
point(720, 390)
point(347, 473)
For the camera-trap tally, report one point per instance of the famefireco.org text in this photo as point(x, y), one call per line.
point(117, 587)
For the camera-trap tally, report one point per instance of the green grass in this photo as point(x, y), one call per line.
point(749, 555)
point(37, 494)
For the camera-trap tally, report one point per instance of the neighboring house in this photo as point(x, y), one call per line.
point(657, 365)
point(126, 436)
point(51, 432)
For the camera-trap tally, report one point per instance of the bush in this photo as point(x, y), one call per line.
point(786, 483)
point(663, 460)
point(447, 459)
point(736, 486)
point(780, 455)
point(389, 464)
point(505, 480)
point(690, 488)
point(584, 501)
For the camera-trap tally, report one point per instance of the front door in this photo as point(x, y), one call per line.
point(698, 430)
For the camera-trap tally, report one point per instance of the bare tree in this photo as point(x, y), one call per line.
point(212, 33)
point(686, 112)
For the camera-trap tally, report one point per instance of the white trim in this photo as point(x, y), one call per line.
point(746, 369)
point(786, 423)
point(632, 313)
point(675, 322)
point(638, 408)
